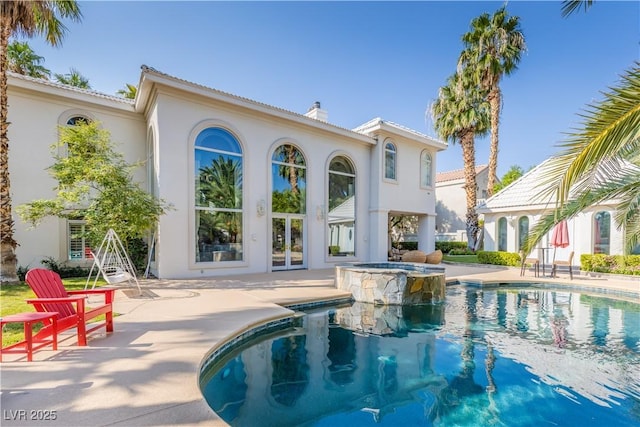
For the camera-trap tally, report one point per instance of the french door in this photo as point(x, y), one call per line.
point(287, 242)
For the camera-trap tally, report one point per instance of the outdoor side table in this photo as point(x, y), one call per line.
point(28, 319)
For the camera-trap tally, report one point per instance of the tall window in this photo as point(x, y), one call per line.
point(78, 246)
point(523, 230)
point(426, 171)
point(218, 196)
point(390, 161)
point(342, 212)
point(289, 177)
point(601, 232)
point(502, 234)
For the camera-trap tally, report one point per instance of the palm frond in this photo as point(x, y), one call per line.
point(571, 6)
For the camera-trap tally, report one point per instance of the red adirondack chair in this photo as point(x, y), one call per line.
point(70, 305)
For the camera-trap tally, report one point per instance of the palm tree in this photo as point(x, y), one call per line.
point(29, 18)
point(459, 114)
point(600, 161)
point(73, 78)
point(493, 48)
point(130, 91)
point(571, 6)
point(23, 60)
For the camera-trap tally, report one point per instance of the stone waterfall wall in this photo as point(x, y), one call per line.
point(392, 283)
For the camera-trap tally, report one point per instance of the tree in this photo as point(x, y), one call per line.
point(460, 114)
point(95, 184)
point(130, 91)
point(23, 60)
point(600, 161)
point(493, 48)
point(28, 18)
point(73, 78)
point(513, 174)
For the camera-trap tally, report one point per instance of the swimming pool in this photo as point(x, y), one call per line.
point(510, 356)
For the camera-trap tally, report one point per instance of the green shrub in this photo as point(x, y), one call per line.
point(615, 264)
point(465, 251)
point(447, 247)
point(64, 270)
point(409, 246)
point(334, 250)
point(137, 249)
point(499, 258)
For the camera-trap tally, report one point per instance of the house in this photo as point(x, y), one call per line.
point(451, 202)
point(297, 180)
point(513, 211)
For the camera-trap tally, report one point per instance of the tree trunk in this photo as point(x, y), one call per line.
point(8, 259)
point(494, 102)
point(469, 158)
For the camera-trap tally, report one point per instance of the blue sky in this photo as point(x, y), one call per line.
point(360, 59)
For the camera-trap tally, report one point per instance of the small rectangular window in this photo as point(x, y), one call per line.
point(77, 244)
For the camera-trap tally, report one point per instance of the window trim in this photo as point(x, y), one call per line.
point(394, 152)
point(215, 265)
point(423, 184)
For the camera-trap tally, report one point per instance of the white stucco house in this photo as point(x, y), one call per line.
point(451, 202)
point(513, 211)
point(300, 184)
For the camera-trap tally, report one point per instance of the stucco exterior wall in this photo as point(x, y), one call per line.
point(581, 233)
point(160, 129)
point(34, 117)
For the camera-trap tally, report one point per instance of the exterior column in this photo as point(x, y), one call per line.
point(427, 233)
point(379, 236)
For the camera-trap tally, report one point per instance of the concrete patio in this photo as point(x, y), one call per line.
point(145, 373)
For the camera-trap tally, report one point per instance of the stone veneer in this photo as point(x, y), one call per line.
point(392, 283)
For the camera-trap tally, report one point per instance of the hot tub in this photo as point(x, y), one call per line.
point(392, 283)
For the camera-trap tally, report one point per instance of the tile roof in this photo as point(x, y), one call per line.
point(456, 174)
point(53, 84)
point(523, 192)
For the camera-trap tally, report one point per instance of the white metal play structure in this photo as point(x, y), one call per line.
point(112, 261)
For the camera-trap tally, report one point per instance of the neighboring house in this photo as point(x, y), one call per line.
point(294, 179)
point(451, 202)
point(512, 212)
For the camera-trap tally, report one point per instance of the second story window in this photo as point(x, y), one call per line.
point(390, 161)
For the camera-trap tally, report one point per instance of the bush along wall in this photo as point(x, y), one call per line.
point(613, 264)
point(447, 247)
point(409, 246)
point(499, 258)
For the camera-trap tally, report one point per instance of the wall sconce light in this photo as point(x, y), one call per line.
point(320, 212)
point(261, 207)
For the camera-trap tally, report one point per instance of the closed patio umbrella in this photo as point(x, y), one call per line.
point(560, 236)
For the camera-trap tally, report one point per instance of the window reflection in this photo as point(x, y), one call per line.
point(290, 375)
point(502, 234)
point(342, 214)
point(289, 178)
point(218, 196)
point(341, 354)
point(601, 232)
point(523, 230)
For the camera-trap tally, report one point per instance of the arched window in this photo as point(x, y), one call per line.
point(77, 120)
point(426, 169)
point(601, 233)
point(218, 196)
point(390, 161)
point(342, 213)
point(502, 234)
point(523, 230)
point(289, 180)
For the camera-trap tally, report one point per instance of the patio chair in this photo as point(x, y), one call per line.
point(568, 262)
point(70, 305)
point(533, 262)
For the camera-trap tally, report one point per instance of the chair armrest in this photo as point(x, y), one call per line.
point(53, 300)
point(107, 292)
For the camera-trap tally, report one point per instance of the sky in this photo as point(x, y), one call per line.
point(361, 59)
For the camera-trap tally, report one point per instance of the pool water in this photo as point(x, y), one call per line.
point(498, 356)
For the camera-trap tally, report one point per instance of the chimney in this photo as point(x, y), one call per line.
point(315, 112)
